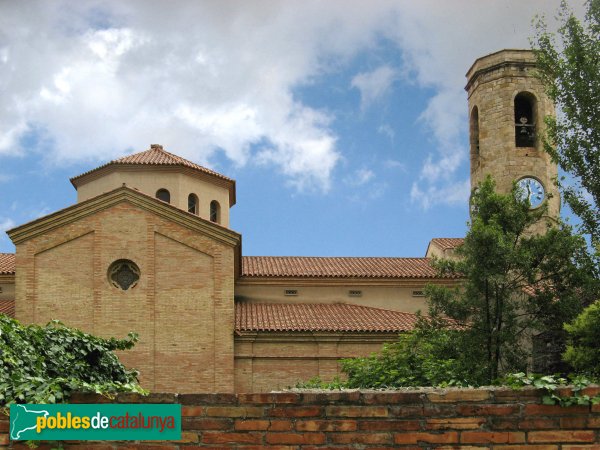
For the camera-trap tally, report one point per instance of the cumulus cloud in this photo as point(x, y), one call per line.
point(437, 53)
point(449, 194)
point(94, 80)
point(373, 85)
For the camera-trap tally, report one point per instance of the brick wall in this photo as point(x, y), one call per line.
point(462, 419)
point(269, 361)
point(182, 307)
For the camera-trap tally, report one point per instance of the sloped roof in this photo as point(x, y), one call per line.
point(336, 267)
point(155, 156)
point(120, 194)
point(7, 263)
point(7, 307)
point(305, 317)
point(320, 317)
point(312, 267)
point(447, 243)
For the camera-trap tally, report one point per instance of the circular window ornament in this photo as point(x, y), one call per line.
point(123, 274)
point(533, 191)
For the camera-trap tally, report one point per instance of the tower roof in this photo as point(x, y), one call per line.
point(508, 57)
point(155, 156)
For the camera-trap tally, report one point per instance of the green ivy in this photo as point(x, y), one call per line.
point(44, 364)
point(551, 384)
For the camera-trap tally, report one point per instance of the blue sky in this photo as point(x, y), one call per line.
point(343, 122)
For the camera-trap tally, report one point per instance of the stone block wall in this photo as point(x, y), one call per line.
point(500, 419)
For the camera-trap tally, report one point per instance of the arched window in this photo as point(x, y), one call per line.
point(193, 204)
point(474, 133)
point(215, 212)
point(525, 120)
point(164, 195)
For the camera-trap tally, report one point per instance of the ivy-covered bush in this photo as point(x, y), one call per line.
point(583, 342)
point(45, 364)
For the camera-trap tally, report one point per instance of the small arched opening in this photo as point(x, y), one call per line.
point(215, 212)
point(525, 120)
point(193, 204)
point(164, 195)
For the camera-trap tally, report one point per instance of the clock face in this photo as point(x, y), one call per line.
point(533, 191)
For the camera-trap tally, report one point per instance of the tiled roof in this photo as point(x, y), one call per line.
point(156, 156)
point(336, 267)
point(447, 243)
point(319, 317)
point(305, 317)
point(7, 263)
point(7, 307)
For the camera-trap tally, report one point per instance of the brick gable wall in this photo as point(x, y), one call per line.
point(182, 307)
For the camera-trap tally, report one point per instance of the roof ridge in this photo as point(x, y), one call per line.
point(327, 304)
point(337, 257)
point(145, 158)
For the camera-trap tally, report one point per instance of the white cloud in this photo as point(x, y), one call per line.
point(373, 85)
point(440, 41)
point(449, 194)
point(101, 78)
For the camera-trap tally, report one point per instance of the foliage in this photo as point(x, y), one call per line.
point(45, 364)
point(500, 261)
point(551, 384)
point(583, 345)
point(570, 70)
point(516, 285)
point(428, 356)
point(317, 383)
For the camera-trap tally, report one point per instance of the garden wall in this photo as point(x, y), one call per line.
point(462, 418)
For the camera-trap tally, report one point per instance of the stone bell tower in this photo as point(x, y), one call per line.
point(507, 106)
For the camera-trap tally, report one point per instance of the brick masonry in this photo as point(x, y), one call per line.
point(444, 419)
point(181, 308)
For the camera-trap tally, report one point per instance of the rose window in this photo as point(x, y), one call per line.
point(123, 274)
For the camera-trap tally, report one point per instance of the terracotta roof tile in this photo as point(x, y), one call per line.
point(447, 243)
point(336, 267)
point(320, 317)
point(7, 307)
point(155, 156)
point(7, 263)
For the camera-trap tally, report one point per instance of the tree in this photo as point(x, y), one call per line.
point(570, 70)
point(427, 356)
point(45, 364)
point(516, 283)
point(583, 345)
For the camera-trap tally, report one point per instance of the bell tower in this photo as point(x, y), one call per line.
point(507, 106)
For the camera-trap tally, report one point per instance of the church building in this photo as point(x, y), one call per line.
point(148, 248)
